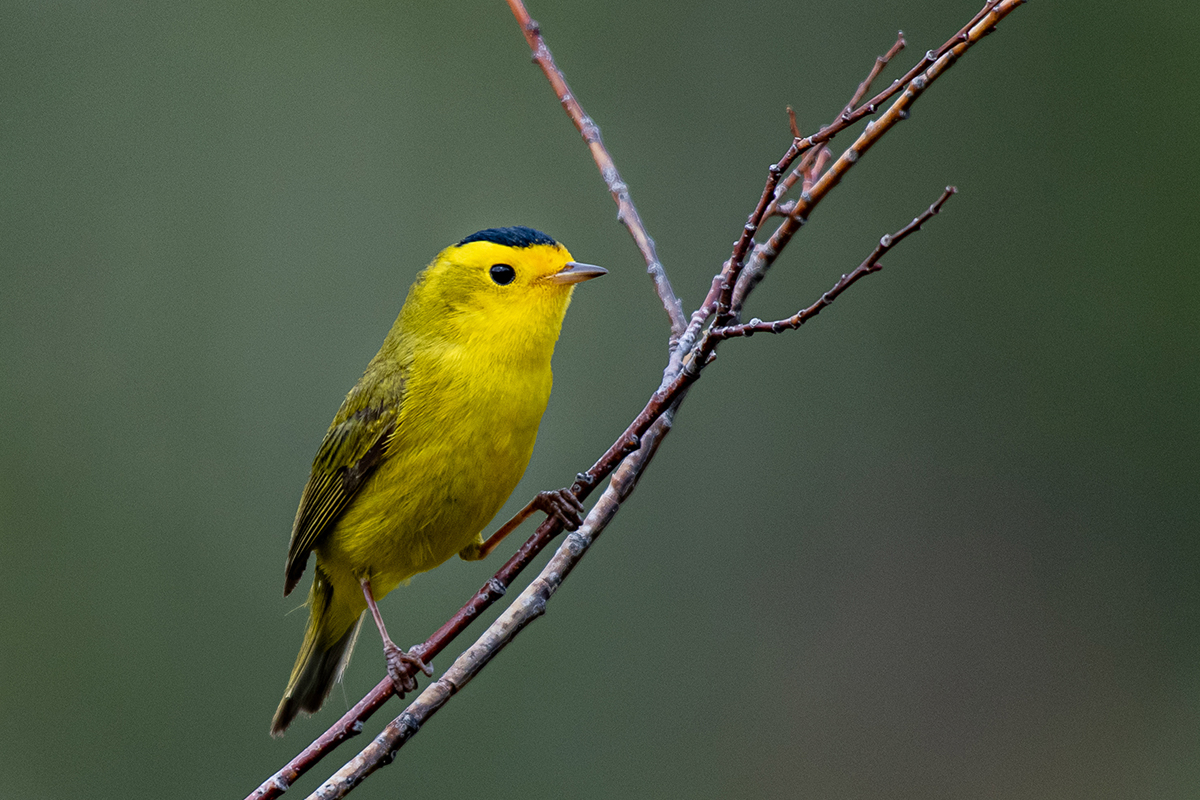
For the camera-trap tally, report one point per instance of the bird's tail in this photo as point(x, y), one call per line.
point(328, 642)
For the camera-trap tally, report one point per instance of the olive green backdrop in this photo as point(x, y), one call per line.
point(940, 544)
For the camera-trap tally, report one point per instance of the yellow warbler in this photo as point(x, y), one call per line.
point(429, 444)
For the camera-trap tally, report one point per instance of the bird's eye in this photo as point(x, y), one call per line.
point(502, 274)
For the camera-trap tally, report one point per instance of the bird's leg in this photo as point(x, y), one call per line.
point(560, 503)
point(398, 661)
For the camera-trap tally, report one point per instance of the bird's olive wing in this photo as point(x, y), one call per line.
point(351, 450)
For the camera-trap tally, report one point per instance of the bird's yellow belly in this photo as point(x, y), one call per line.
point(453, 461)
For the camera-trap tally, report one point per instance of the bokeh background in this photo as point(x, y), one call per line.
point(940, 544)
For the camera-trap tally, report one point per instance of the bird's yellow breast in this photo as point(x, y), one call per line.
point(462, 441)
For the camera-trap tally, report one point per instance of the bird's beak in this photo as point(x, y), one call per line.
point(575, 272)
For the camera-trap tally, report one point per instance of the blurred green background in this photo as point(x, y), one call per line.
point(942, 543)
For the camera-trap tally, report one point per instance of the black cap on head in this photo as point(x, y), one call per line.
point(516, 236)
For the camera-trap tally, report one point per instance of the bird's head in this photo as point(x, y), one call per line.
point(510, 286)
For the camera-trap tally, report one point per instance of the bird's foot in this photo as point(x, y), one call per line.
point(563, 505)
point(402, 667)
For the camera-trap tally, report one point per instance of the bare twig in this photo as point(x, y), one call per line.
point(733, 266)
point(871, 264)
point(847, 118)
point(765, 254)
point(803, 168)
point(777, 207)
point(810, 167)
point(982, 23)
point(815, 169)
point(627, 212)
point(880, 63)
point(992, 12)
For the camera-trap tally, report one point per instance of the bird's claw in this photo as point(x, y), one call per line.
point(563, 505)
point(401, 668)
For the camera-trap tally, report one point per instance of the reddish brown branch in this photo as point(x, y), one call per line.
point(815, 169)
point(853, 112)
point(810, 167)
point(627, 212)
point(733, 266)
point(721, 299)
point(880, 63)
point(765, 254)
point(804, 169)
point(871, 264)
point(795, 126)
point(845, 119)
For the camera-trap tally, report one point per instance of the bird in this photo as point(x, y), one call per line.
point(428, 445)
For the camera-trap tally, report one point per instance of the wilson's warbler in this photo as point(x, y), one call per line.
point(429, 444)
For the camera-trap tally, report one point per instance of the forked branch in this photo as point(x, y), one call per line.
point(938, 62)
point(871, 264)
point(806, 168)
point(693, 349)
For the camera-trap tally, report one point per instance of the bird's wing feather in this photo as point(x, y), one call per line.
point(352, 448)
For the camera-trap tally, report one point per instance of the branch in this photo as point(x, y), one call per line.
point(627, 213)
point(871, 264)
point(805, 168)
point(765, 254)
point(847, 118)
point(810, 167)
point(880, 63)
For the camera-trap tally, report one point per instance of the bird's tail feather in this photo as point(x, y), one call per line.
point(328, 643)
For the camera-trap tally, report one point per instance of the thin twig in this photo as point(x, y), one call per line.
point(845, 119)
point(810, 167)
point(966, 36)
point(795, 126)
point(627, 212)
point(880, 63)
point(777, 207)
point(733, 266)
point(765, 254)
point(815, 169)
point(871, 264)
point(865, 86)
